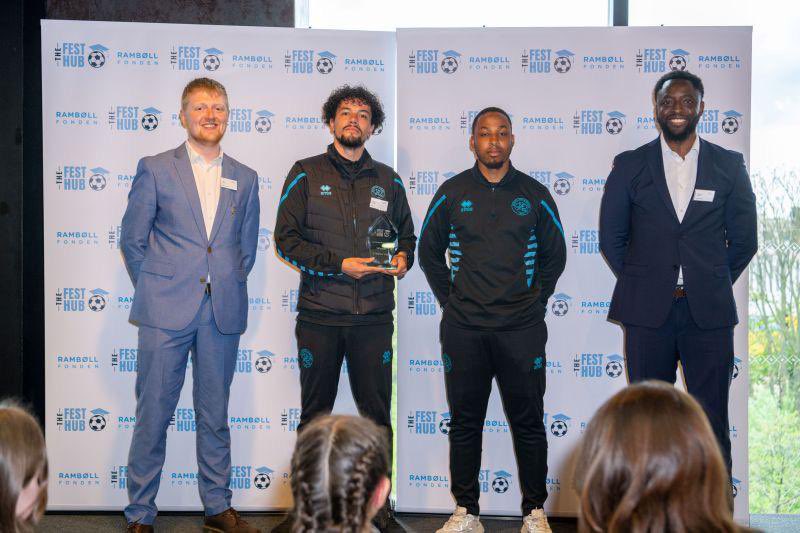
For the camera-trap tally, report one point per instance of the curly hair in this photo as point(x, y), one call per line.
point(649, 462)
point(337, 464)
point(359, 93)
point(22, 458)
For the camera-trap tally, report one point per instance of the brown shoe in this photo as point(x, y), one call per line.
point(228, 522)
point(136, 527)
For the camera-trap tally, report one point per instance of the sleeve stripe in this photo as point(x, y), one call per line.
point(555, 219)
point(430, 213)
point(291, 185)
point(398, 180)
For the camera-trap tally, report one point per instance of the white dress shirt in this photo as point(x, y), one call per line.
point(208, 179)
point(681, 174)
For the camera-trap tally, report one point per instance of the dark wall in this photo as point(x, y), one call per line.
point(21, 241)
point(225, 12)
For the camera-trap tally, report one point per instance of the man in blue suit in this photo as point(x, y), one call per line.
point(678, 227)
point(189, 237)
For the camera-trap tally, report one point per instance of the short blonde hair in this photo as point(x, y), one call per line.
point(202, 84)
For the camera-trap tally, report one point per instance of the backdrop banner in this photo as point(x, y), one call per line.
point(577, 97)
point(111, 95)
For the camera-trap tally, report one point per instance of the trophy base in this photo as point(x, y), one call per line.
point(382, 265)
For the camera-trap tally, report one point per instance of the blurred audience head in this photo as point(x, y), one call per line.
point(649, 462)
point(23, 469)
point(339, 475)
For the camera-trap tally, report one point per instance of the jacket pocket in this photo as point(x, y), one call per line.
point(159, 268)
point(630, 269)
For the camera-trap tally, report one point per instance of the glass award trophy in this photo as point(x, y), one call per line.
point(382, 242)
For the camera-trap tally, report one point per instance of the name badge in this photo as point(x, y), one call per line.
point(229, 184)
point(702, 195)
point(380, 205)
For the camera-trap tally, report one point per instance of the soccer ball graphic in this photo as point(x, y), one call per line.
point(96, 59)
point(97, 423)
point(449, 64)
point(613, 125)
point(324, 65)
point(735, 490)
point(211, 62)
point(614, 369)
point(562, 64)
point(444, 426)
point(677, 63)
point(730, 125)
point(262, 481)
point(263, 124)
point(263, 364)
point(559, 428)
point(560, 307)
point(500, 485)
point(735, 373)
point(97, 182)
point(561, 186)
point(378, 130)
point(149, 122)
point(97, 302)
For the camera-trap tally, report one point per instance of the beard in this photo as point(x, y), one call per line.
point(687, 132)
point(350, 141)
point(492, 164)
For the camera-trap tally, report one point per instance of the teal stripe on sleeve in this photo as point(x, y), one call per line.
point(291, 185)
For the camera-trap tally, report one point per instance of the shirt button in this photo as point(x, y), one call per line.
point(209, 249)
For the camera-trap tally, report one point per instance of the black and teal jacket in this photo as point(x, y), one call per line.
point(326, 207)
point(506, 250)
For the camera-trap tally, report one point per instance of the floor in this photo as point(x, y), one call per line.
point(175, 522)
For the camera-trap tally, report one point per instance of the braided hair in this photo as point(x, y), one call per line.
point(337, 464)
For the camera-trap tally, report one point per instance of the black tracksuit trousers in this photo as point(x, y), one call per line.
point(517, 359)
point(368, 351)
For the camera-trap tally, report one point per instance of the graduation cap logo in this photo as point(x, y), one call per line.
point(150, 118)
point(449, 62)
point(615, 365)
point(448, 175)
point(444, 423)
point(262, 479)
point(730, 124)
point(615, 122)
point(326, 62)
point(560, 425)
point(98, 180)
point(501, 481)
point(560, 306)
point(563, 183)
point(679, 59)
point(563, 61)
point(212, 61)
point(97, 57)
point(97, 300)
point(264, 362)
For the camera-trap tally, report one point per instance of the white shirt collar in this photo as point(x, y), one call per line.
point(693, 151)
point(196, 158)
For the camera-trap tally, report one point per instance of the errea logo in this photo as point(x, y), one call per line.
point(325, 190)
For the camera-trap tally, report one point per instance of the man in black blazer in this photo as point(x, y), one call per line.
point(678, 227)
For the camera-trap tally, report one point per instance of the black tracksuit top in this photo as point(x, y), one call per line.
point(506, 249)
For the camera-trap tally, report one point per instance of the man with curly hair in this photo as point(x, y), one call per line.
point(328, 203)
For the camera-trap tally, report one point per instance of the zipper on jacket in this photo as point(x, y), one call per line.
point(355, 244)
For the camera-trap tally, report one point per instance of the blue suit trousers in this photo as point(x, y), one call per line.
point(162, 359)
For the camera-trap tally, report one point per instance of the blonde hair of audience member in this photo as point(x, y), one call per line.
point(339, 475)
point(23, 470)
point(650, 463)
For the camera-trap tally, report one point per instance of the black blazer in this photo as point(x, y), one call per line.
point(644, 243)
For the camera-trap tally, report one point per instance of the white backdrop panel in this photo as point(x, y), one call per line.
point(111, 95)
point(577, 97)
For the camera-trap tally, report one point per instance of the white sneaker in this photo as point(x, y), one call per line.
point(536, 522)
point(462, 521)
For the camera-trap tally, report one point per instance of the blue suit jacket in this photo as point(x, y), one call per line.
point(644, 242)
point(168, 253)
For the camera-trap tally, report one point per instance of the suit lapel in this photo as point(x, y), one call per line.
point(655, 160)
point(704, 181)
point(184, 169)
point(225, 197)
